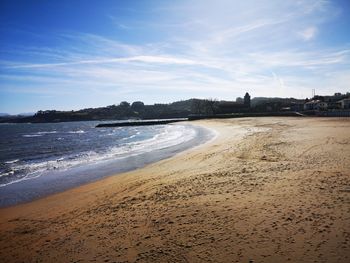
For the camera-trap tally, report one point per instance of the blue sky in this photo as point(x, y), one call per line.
point(68, 55)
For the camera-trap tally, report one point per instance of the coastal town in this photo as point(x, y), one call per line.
point(336, 105)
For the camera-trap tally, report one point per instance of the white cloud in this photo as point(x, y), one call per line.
point(232, 48)
point(302, 59)
point(144, 59)
point(308, 33)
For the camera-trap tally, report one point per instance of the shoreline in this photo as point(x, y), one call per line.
point(59, 181)
point(266, 189)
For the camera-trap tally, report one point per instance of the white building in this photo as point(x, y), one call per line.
point(344, 103)
point(321, 106)
point(315, 105)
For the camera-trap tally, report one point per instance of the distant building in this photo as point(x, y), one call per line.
point(344, 103)
point(247, 100)
point(321, 106)
point(309, 105)
point(315, 105)
point(241, 105)
point(334, 102)
point(239, 100)
point(334, 98)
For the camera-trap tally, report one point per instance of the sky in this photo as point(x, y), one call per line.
point(68, 55)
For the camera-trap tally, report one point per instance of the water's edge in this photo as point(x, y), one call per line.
point(30, 190)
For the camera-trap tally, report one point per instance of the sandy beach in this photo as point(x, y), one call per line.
point(265, 190)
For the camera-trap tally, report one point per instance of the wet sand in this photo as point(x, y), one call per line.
point(266, 189)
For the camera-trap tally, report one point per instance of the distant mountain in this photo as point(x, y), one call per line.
point(19, 115)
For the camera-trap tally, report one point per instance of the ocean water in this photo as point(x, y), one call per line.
point(39, 159)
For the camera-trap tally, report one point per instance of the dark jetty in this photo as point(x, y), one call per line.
point(139, 123)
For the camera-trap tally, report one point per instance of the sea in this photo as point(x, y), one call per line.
point(41, 159)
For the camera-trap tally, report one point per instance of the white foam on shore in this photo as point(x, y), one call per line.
point(12, 161)
point(38, 134)
point(32, 135)
point(46, 132)
point(76, 132)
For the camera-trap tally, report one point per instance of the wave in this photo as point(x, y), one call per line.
point(39, 134)
point(6, 174)
point(166, 136)
point(46, 132)
point(12, 161)
point(131, 136)
point(32, 135)
point(76, 132)
point(170, 136)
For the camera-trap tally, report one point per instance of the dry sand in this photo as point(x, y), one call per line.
point(266, 189)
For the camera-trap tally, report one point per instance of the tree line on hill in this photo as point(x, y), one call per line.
point(138, 110)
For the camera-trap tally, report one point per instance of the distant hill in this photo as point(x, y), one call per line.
point(138, 110)
point(125, 110)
